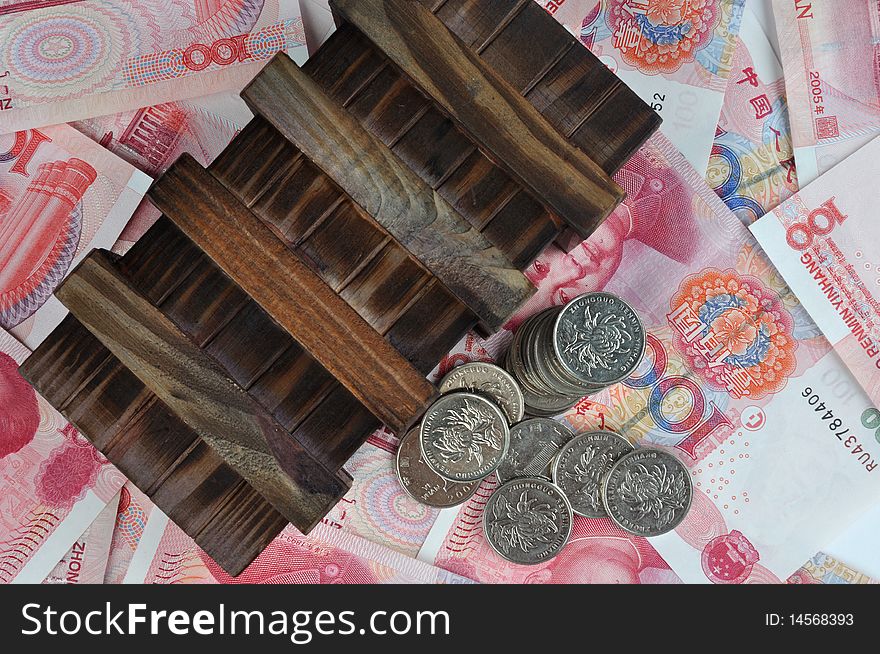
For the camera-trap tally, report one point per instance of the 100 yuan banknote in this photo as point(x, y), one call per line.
point(61, 195)
point(752, 168)
point(733, 365)
point(830, 51)
point(84, 58)
point(823, 241)
point(328, 555)
point(53, 483)
point(676, 55)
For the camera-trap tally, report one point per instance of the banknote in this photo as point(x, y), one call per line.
point(830, 51)
point(821, 241)
point(53, 483)
point(318, 22)
point(825, 569)
point(728, 382)
point(61, 195)
point(327, 556)
point(151, 139)
point(82, 58)
point(130, 519)
point(86, 560)
point(677, 55)
point(752, 167)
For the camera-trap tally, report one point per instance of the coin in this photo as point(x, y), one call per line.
point(487, 379)
point(599, 339)
point(423, 484)
point(533, 444)
point(648, 492)
point(464, 437)
point(527, 521)
point(581, 466)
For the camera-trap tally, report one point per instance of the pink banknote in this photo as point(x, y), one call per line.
point(61, 195)
point(727, 385)
point(98, 57)
point(327, 556)
point(53, 483)
point(676, 54)
point(823, 241)
point(830, 51)
point(130, 519)
point(752, 167)
point(86, 560)
point(151, 139)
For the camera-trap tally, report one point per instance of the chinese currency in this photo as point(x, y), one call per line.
point(77, 59)
point(53, 483)
point(730, 353)
point(829, 53)
point(61, 195)
point(676, 55)
point(821, 240)
point(752, 167)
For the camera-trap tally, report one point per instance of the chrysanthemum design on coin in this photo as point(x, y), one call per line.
point(599, 339)
point(648, 492)
point(490, 381)
point(581, 466)
point(423, 484)
point(533, 445)
point(464, 437)
point(527, 521)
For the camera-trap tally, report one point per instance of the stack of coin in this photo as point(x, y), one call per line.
point(463, 437)
point(564, 353)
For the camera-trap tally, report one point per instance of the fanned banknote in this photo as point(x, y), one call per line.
point(61, 195)
point(823, 241)
point(830, 51)
point(677, 55)
point(86, 560)
point(752, 168)
point(53, 483)
point(130, 520)
point(328, 555)
point(732, 366)
point(77, 59)
point(152, 138)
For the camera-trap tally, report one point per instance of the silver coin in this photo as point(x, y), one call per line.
point(533, 445)
point(527, 521)
point(491, 381)
point(423, 484)
point(464, 437)
point(648, 492)
point(599, 339)
point(581, 466)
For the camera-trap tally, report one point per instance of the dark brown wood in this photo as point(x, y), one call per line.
point(198, 391)
point(153, 448)
point(389, 191)
point(498, 117)
point(324, 324)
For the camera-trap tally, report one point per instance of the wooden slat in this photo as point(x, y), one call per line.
point(489, 108)
point(387, 189)
point(294, 296)
point(197, 390)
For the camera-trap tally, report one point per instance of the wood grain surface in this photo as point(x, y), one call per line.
point(295, 297)
point(388, 190)
point(199, 392)
point(489, 108)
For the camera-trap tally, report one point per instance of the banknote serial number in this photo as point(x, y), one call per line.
point(809, 620)
point(870, 420)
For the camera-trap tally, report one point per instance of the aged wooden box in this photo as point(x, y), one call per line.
point(295, 294)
